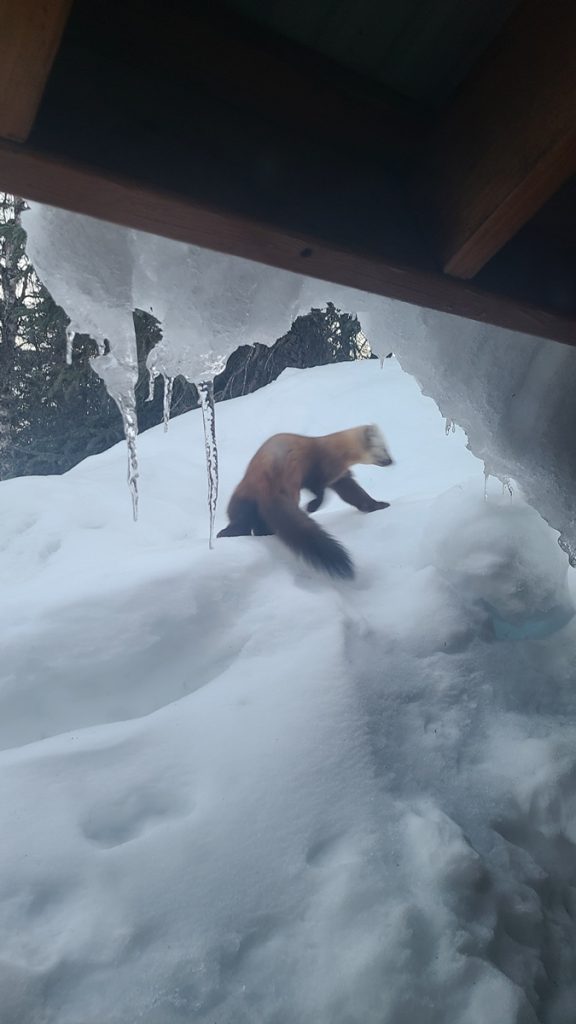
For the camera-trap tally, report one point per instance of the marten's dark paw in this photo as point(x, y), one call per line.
point(235, 530)
point(378, 505)
point(314, 505)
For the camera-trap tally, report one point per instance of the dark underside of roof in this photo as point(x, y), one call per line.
point(423, 150)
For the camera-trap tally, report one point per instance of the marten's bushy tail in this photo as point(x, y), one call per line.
point(307, 539)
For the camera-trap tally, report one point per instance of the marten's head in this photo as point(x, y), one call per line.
point(375, 446)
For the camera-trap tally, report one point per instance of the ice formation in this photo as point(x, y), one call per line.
point(512, 394)
point(206, 395)
point(208, 305)
point(167, 405)
point(86, 266)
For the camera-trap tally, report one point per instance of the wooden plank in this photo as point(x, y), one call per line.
point(509, 141)
point(30, 33)
point(86, 190)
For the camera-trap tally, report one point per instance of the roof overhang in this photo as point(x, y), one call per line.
point(196, 123)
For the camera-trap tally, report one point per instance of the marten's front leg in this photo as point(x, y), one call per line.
point(314, 505)
point(349, 490)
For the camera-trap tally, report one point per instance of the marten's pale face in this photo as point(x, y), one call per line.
point(376, 446)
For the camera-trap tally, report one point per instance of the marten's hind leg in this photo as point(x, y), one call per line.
point(259, 527)
point(235, 529)
point(349, 490)
point(242, 514)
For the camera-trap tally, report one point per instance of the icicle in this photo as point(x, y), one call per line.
point(486, 477)
point(120, 380)
point(168, 385)
point(507, 488)
point(70, 335)
point(447, 425)
point(206, 395)
point(152, 375)
point(568, 549)
point(128, 411)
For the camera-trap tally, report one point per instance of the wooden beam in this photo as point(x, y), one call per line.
point(30, 33)
point(509, 141)
point(86, 190)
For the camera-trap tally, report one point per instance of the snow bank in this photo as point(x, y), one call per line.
point(234, 791)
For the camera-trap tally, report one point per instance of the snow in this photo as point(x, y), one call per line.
point(235, 791)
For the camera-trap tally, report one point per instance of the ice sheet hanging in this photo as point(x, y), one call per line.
point(86, 266)
point(512, 394)
point(207, 303)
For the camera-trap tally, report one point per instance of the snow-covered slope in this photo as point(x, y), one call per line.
point(234, 791)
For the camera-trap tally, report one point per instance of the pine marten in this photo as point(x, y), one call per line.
point(266, 499)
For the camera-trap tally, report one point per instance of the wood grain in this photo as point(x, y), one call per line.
point(509, 141)
point(30, 33)
point(86, 190)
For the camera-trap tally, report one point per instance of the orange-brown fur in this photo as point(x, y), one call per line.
point(266, 499)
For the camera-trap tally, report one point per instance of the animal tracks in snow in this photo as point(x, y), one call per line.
point(130, 815)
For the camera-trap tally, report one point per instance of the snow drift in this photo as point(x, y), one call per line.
point(234, 791)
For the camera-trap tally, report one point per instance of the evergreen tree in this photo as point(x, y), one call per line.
point(14, 289)
point(322, 336)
